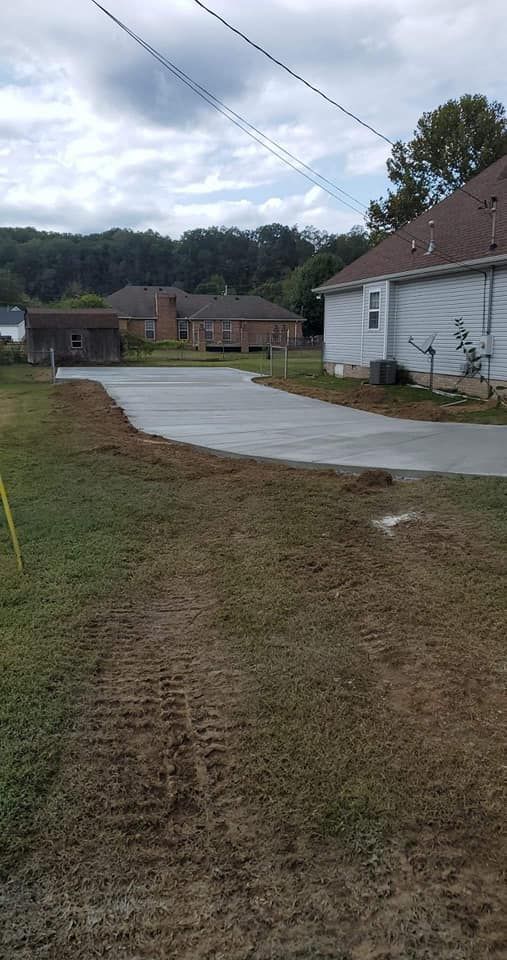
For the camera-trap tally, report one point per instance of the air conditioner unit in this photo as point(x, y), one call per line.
point(382, 372)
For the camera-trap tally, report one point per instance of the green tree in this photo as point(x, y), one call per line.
point(87, 301)
point(450, 145)
point(271, 290)
point(215, 285)
point(11, 291)
point(299, 285)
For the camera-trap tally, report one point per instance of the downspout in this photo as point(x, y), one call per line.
point(489, 316)
point(386, 318)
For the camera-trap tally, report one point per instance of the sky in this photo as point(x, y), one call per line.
point(95, 134)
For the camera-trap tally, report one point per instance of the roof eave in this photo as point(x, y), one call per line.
point(420, 271)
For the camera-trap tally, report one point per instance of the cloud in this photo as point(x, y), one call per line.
point(94, 133)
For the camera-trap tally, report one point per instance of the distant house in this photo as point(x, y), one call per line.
point(450, 262)
point(12, 324)
point(205, 321)
point(76, 336)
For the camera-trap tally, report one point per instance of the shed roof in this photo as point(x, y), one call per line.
point(92, 319)
point(139, 302)
point(462, 233)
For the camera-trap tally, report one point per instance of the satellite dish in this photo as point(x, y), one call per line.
point(428, 349)
point(428, 343)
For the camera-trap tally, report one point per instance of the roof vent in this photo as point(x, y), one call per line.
point(431, 245)
point(413, 247)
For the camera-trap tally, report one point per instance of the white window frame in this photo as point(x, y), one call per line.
point(208, 331)
point(227, 331)
point(374, 312)
point(183, 326)
point(149, 329)
point(76, 337)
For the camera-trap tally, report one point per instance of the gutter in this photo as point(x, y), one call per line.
point(421, 272)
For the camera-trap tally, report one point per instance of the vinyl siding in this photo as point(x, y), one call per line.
point(499, 325)
point(16, 332)
point(423, 307)
point(343, 326)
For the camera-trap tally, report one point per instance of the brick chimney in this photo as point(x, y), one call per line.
point(166, 325)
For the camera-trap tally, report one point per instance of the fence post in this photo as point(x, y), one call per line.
point(52, 362)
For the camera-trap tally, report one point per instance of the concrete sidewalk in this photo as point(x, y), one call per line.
point(224, 411)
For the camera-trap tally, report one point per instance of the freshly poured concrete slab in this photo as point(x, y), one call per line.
point(223, 410)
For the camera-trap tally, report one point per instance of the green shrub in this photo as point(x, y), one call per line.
point(12, 353)
point(131, 343)
point(172, 345)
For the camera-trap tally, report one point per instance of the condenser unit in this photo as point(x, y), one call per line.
point(382, 372)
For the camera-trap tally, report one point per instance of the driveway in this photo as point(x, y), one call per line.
point(224, 411)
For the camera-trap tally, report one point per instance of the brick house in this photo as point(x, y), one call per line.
point(205, 321)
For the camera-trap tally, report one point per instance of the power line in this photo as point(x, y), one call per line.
point(244, 124)
point(307, 83)
point(293, 73)
point(236, 118)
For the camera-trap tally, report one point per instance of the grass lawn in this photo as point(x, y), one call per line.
point(300, 361)
point(359, 684)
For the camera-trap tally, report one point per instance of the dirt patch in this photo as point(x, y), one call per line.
point(377, 400)
point(368, 481)
point(284, 753)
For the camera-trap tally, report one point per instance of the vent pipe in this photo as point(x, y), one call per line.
point(413, 246)
point(431, 245)
point(492, 208)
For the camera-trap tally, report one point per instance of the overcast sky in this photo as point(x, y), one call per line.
point(95, 134)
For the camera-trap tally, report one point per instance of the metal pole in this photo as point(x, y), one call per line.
point(271, 359)
point(432, 362)
point(52, 361)
point(286, 363)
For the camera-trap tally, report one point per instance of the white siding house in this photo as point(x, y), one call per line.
point(450, 263)
point(12, 323)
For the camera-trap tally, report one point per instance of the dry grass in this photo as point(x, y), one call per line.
point(293, 747)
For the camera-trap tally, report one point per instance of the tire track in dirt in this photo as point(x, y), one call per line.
point(131, 870)
point(150, 849)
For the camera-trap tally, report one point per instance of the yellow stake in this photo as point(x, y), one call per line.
point(10, 524)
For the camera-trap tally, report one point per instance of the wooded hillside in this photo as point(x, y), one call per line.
point(49, 265)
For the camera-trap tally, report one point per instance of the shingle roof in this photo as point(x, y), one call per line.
point(139, 302)
point(38, 318)
point(11, 318)
point(462, 232)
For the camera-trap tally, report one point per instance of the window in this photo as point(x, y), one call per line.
point(208, 330)
point(182, 329)
point(149, 329)
point(76, 341)
point(374, 310)
point(227, 331)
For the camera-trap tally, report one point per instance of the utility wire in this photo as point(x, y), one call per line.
point(246, 127)
point(287, 69)
point(307, 83)
point(237, 119)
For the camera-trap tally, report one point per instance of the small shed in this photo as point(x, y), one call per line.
point(76, 336)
